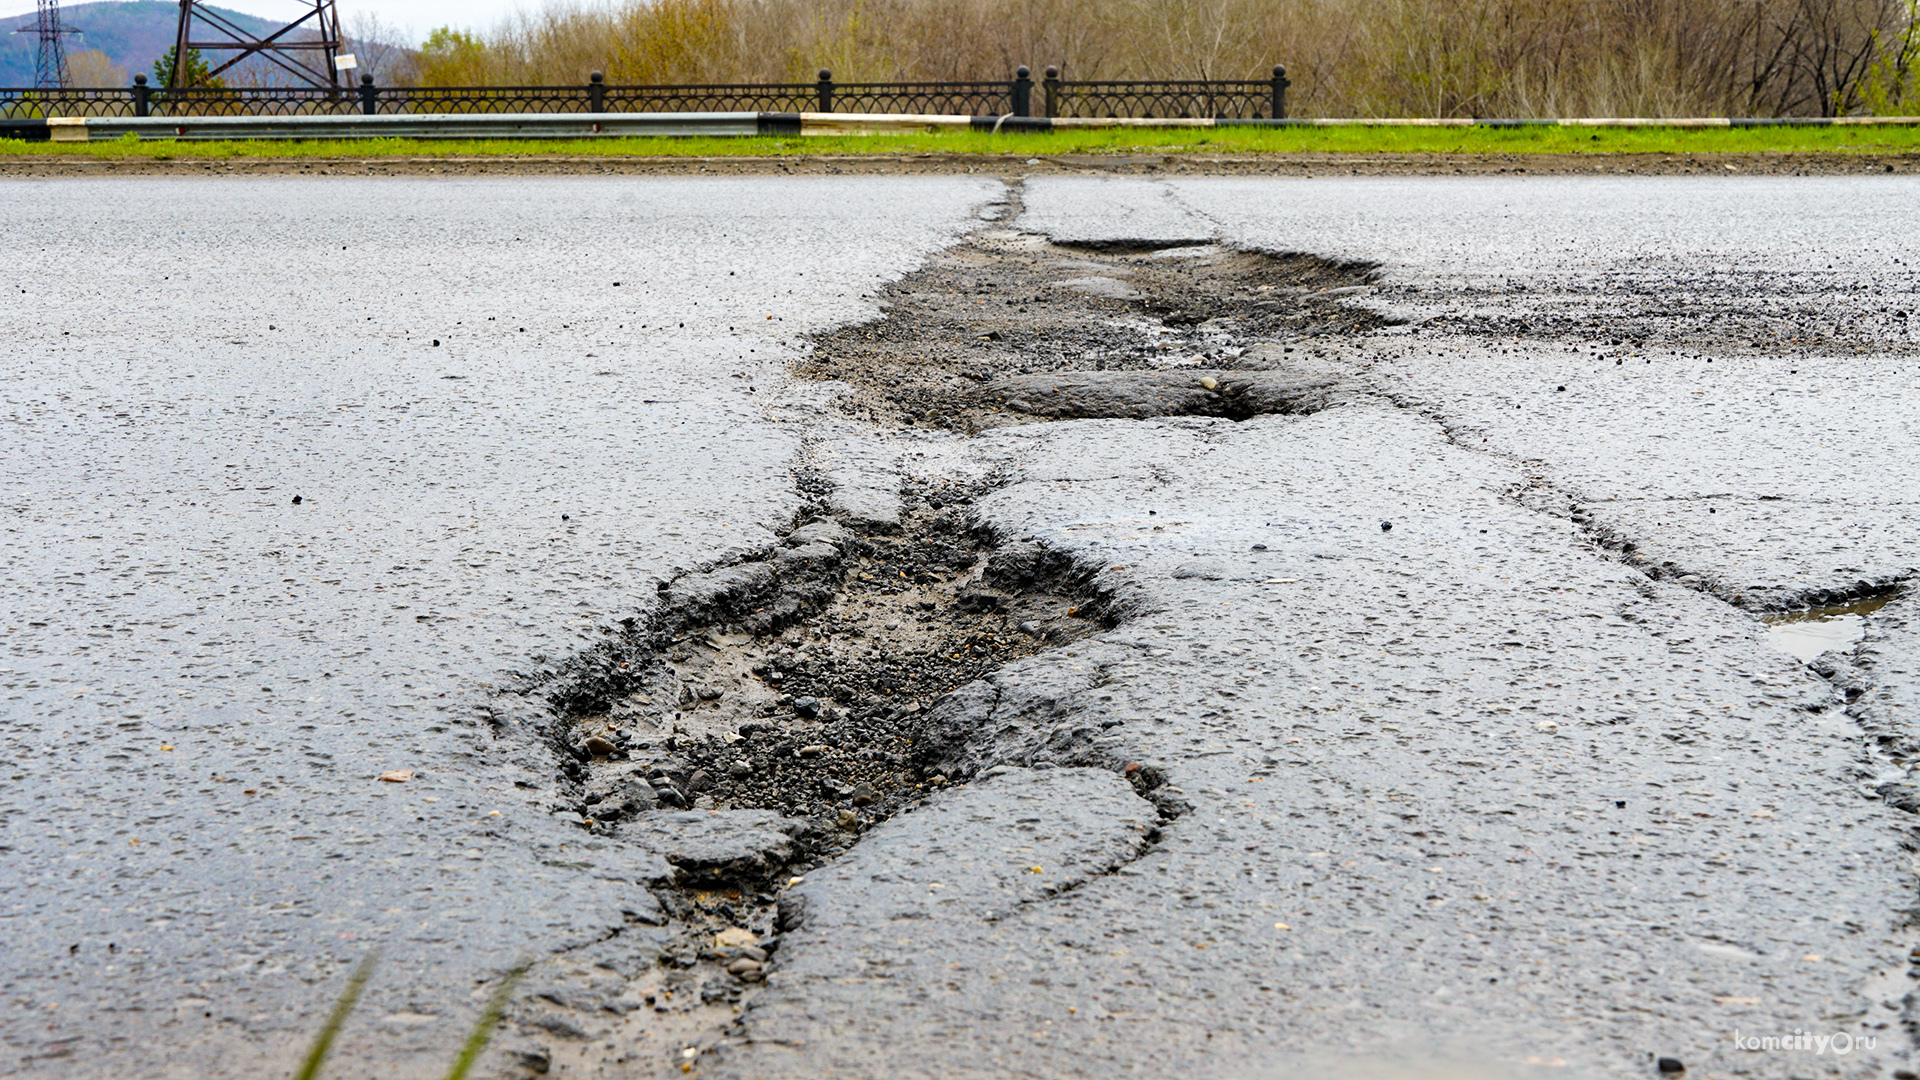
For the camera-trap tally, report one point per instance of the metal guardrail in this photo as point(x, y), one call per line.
point(737, 124)
point(467, 126)
point(1220, 99)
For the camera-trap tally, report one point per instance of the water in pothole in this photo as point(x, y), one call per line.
point(1808, 632)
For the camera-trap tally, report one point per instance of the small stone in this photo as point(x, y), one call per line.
point(600, 746)
point(397, 776)
point(700, 781)
point(744, 967)
point(751, 952)
point(1670, 1065)
point(807, 706)
point(848, 820)
point(710, 693)
point(297, 500)
point(1030, 628)
point(1209, 383)
point(864, 795)
point(1259, 547)
point(1386, 526)
point(812, 751)
point(734, 937)
point(739, 770)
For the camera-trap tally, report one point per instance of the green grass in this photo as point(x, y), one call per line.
point(1246, 141)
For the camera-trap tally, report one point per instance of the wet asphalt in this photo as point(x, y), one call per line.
point(506, 412)
point(1484, 793)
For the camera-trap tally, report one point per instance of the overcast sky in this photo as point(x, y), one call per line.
point(414, 18)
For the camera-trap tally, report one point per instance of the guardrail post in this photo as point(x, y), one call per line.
point(369, 96)
point(825, 88)
point(1022, 92)
point(597, 92)
point(1280, 85)
point(1052, 87)
point(142, 96)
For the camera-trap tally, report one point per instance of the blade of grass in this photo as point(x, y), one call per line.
point(323, 1042)
point(489, 1018)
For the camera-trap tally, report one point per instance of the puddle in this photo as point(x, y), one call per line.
point(1808, 632)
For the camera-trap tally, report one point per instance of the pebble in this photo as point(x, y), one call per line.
point(864, 795)
point(735, 937)
point(812, 751)
point(1030, 628)
point(1209, 383)
point(848, 820)
point(807, 706)
point(600, 747)
point(1670, 1065)
point(747, 970)
point(740, 770)
point(1386, 526)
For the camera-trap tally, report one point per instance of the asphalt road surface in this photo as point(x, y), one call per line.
point(1517, 786)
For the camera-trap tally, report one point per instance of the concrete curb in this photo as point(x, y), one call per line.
point(735, 124)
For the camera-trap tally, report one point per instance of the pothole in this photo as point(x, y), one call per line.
point(1006, 327)
point(1806, 633)
point(773, 710)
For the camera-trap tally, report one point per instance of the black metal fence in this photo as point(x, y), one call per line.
point(1145, 99)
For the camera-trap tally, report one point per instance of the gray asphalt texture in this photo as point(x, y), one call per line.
point(1475, 795)
point(1484, 793)
point(202, 680)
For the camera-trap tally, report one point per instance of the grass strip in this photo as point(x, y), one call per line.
point(323, 1042)
point(1338, 140)
point(483, 1028)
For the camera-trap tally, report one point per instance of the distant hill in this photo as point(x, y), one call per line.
point(133, 33)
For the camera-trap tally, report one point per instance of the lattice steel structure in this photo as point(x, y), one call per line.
point(50, 61)
point(308, 48)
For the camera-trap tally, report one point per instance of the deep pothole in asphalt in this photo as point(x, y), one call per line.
point(1007, 327)
point(1807, 633)
point(773, 710)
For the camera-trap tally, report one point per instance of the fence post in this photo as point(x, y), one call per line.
point(1022, 92)
point(1052, 87)
point(825, 87)
point(1280, 85)
point(369, 96)
point(597, 92)
point(142, 96)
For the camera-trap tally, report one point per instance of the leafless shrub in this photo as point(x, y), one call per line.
point(1346, 57)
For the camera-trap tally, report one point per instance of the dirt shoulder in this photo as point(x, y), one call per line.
point(1007, 165)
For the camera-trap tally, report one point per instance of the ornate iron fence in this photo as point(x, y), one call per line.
point(1211, 99)
point(1230, 99)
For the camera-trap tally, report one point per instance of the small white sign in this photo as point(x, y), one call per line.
point(345, 62)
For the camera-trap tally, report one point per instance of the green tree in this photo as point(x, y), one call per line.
point(450, 57)
point(194, 74)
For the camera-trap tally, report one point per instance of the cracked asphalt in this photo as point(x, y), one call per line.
point(1476, 759)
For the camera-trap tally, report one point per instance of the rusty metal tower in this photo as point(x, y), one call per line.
point(50, 63)
point(308, 48)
